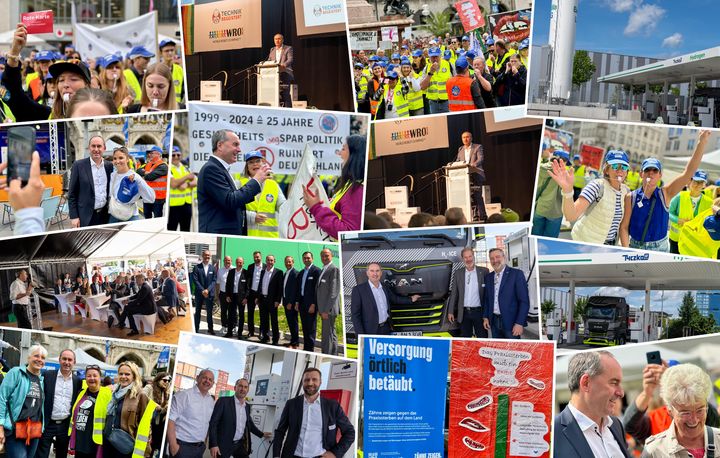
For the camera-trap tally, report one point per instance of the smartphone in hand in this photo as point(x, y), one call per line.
point(21, 144)
point(653, 357)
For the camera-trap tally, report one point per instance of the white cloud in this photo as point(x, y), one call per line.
point(620, 6)
point(207, 349)
point(673, 41)
point(615, 291)
point(644, 19)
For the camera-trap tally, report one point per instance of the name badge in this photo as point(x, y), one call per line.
point(243, 280)
point(331, 427)
point(322, 281)
point(310, 278)
point(640, 204)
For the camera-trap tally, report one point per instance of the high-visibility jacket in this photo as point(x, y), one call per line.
point(372, 86)
point(501, 63)
point(414, 98)
point(180, 197)
point(687, 211)
point(159, 185)
point(437, 91)
point(579, 177)
point(143, 430)
point(265, 203)
point(133, 82)
point(694, 238)
point(632, 180)
point(6, 109)
point(363, 85)
point(399, 101)
point(31, 76)
point(459, 93)
point(101, 403)
point(336, 198)
point(178, 76)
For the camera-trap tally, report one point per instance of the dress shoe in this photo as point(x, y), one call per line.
point(211, 332)
point(111, 320)
point(228, 334)
point(133, 333)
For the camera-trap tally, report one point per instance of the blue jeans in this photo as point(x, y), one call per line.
point(439, 106)
point(546, 227)
point(658, 245)
point(16, 448)
point(473, 322)
point(112, 219)
point(496, 327)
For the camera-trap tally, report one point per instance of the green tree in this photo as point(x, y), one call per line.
point(583, 68)
point(438, 23)
point(547, 307)
point(689, 317)
point(580, 306)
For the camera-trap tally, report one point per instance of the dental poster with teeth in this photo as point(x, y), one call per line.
point(500, 398)
point(404, 384)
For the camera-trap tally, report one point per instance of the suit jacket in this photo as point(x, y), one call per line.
point(328, 291)
point(333, 418)
point(144, 298)
point(310, 293)
point(476, 157)
point(81, 192)
point(203, 282)
point(275, 287)
point(169, 292)
point(364, 310)
point(98, 288)
point(221, 205)
point(569, 441)
point(251, 274)
point(50, 378)
point(223, 423)
point(243, 286)
point(286, 58)
point(292, 287)
point(514, 300)
point(456, 301)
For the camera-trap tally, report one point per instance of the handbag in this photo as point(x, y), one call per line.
point(28, 430)
point(119, 439)
point(119, 210)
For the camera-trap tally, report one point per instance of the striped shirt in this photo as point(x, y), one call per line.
point(593, 193)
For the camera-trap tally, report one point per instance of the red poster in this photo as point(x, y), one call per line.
point(591, 156)
point(470, 14)
point(38, 21)
point(500, 398)
point(511, 26)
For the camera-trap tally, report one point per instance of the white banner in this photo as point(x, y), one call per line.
point(366, 40)
point(323, 12)
point(281, 134)
point(294, 219)
point(227, 24)
point(410, 135)
point(389, 33)
point(91, 41)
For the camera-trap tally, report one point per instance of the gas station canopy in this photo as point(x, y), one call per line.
point(700, 66)
point(629, 270)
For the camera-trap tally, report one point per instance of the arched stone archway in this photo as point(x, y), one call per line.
point(135, 358)
point(95, 353)
point(145, 139)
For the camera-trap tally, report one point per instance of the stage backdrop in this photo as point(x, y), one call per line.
point(410, 134)
point(321, 63)
point(229, 24)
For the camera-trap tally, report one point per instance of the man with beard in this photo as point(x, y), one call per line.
point(312, 415)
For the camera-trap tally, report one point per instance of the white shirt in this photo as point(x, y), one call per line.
point(241, 417)
point(224, 164)
point(278, 53)
point(601, 442)
point(191, 412)
point(306, 272)
point(62, 401)
point(390, 105)
point(471, 299)
point(144, 190)
point(310, 438)
point(322, 272)
point(380, 302)
point(238, 277)
point(256, 277)
point(19, 287)
point(99, 183)
point(266, 281)
point(222, 277)
point(467, 154)
point(206, 267)
point(496, 290)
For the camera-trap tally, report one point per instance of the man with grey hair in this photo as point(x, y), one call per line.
point(486, 81)
point(89, 187)
point(586, 426)
point(189, 418)
point(221, 206)
point(142, 303)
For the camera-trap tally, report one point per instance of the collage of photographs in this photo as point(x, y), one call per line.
point(420, 228)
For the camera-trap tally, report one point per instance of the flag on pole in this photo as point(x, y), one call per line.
point(166, 138)
point(126, 131)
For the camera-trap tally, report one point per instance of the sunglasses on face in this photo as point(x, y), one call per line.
point(651, 169)
point(620, 167)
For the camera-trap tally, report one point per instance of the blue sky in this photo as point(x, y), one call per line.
point(646, 28)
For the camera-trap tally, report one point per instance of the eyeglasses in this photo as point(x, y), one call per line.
point(651, 169)
point(687, 414)
point(619, 167)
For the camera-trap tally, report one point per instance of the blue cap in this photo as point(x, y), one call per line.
point(358, 65)
point(700, 175)
point(712, 225)
point(465, 38)
point(176, 149)
point(383, 64)
point(434, 52)
point(489, 41)
point(524, 44)
point(392, 74)
point(417, 53)
point(139, 51)
point(254, 155)
point(405, 61)
point(650, 163)
point(447, 55)
point(127, 190)
point(395, 56)
point(70, 46)
point(166, 42)
point(48, 76)
point(373, 58)
point(564, 155)
point(461, 63)
point(154, 149)
point(617, 157)
point(3, 61)
point(470, 55)
point(391, 67)
point(58, 56)
point(376, 64)
point(45, 56)
point(717, 182)
point(403, 47)
point(110, 59)
point(576, 157)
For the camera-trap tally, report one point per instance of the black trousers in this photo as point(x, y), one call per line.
point(128, 313)
point(472, 322)
point(224, 308)
point(236, 314)
point(285, 98)
point(268, 318)
point(292, 319)
point(22, 314)
point(478, 180)
point(180, 216)
point(154, 210)
point(252, 295)
point(57, 432)
point(309, 327)
point(99, 217)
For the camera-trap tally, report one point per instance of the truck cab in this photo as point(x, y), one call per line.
point(607, 321)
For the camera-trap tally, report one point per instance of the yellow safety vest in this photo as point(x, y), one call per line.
point(179, 197)
point(414, 99)
point(362, 93)
point(101, 403)
point(336, 198)
point(687, 211)
point(30, 77)
point(178, 76)
point(694, 238)
point(265, 203)
point(133, 82)
point(633, 180)
point(8, 114)
point(499, 65)
point(437, 91)
point(143, 430)
point(399, 101)
point(579, 181)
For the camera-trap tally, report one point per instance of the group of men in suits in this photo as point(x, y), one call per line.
point(302, 294)
point(479, 300)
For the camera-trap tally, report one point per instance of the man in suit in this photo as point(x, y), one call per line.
point(231, 425)
point(89, 187)
point(271, 289)
point(307, 301)
point(236, 291)
point(253, 277)
point(169, 291)
point(370, 304)
point(142, 303)
point(472, 154)
point(466, 298)
point(203, 276)
point(97, 286)
point(222, 206)
point(283, 55)
point(507, 301)
point(328, 301)
point(586, 426)
point(290, 292)
point(329, 416)
point(61, 389)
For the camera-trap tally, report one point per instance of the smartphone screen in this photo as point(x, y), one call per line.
point(653, 357)
point(21, 144)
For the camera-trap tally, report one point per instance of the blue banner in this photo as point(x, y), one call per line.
point(163, 358)
point(405, 384)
